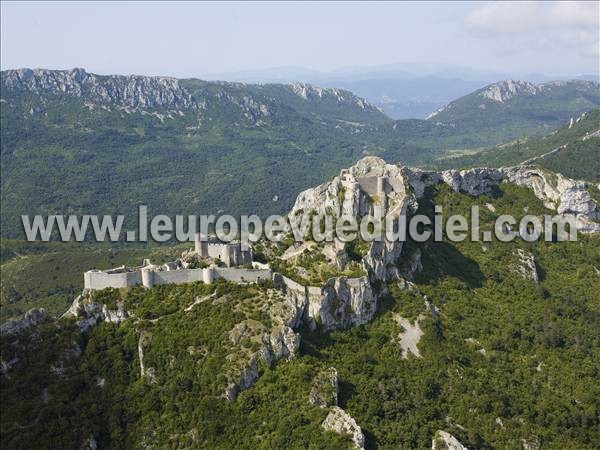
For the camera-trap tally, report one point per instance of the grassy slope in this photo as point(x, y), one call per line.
point(50, 275)
point(538, 374)
point(579, 158)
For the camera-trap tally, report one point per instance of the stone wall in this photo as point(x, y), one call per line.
point(177, 276)
point(95, 279)
point(242, 275)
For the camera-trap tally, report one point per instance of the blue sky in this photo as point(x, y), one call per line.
point(195, 39)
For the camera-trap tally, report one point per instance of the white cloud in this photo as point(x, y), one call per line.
point(508, 17)
point(546, 26)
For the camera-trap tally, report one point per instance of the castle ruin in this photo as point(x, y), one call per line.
point(231, 255)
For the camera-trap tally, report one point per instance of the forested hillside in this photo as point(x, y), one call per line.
point(511, 109)
point(75, 142)
point(573, 150)
point(504, 360)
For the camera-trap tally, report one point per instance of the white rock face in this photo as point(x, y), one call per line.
point(409, 336)
point(31, 317)
point(526, 266)
point(445, 441)
point(473, 181)
point(505, 90)
point(564, 195)
point(90, 313)
point(419, 180)
point(339, 421)
point(284, 343)
point(344, 302)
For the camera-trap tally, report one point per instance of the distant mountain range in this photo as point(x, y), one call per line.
point(73, 141)
point(402, 91)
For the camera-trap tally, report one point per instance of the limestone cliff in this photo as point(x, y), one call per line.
point(89, 313)
point(125, 91)
point(339, 421)
point(445, 441)
point(374, 188)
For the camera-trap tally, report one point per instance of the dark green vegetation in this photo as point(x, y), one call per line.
point(510, 109)
point(504, 360)
point(49, 275)
point(577, 151)
point(579, 160)
point(202, 147)
point(100, 393)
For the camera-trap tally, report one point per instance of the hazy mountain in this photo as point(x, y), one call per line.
point(516, 106)
point(401, 90)
point(409, 97)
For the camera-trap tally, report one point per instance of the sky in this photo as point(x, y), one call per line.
point(187, 39)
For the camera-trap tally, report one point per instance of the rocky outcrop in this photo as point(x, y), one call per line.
point(90, 313)
point(370, 188)
point(526, 266)
point(344, 302)
point(505, 90)
point(126, 91)
point(32, 317)
point(566, 196)
point(374, 188)
point(340, 303)
point(294, 308)
point(146, 373)
point(280, 342)
point(445, 441)
point(472, 181)
point(409, 336)
point(324, 392)
point(339, 421)
point(309, 92)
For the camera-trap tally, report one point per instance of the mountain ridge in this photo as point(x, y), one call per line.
point(157, 92)
point(505, 90)
point(183, 146)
